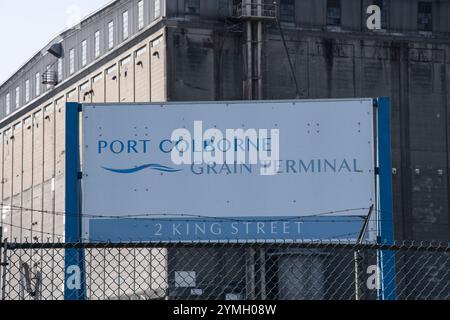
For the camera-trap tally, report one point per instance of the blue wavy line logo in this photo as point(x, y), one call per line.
point(152, 166)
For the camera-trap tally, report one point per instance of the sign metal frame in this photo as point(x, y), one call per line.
point(74, 258)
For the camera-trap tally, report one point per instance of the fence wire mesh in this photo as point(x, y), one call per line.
point(227, 271)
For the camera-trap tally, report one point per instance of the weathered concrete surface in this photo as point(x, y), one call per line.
point(206, 64)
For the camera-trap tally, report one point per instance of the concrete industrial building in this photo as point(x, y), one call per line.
point(198, 50)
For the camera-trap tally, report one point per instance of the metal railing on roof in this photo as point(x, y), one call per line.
point(49, 77)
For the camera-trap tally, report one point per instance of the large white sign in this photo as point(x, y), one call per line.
point(229, 160)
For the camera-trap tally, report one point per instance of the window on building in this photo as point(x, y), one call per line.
point(97, 44)
point(157, 9)
point(27, 91)
point(287, 10)
point(72, 61)
point(97, 78)
point(37, 84)
point(17, 104)
point(84, 86)
point(71, 94)
point(141, 51)
point(192, 7)
point(48, 109)
point(60, 69)
point(157, 41)
point(333, 12)
point(111, 70)
point(125, 25)
point(84, 53)
point(111, 35)
point(140, 14)
point(8, 103)
point(425, 16)
point(125, 61)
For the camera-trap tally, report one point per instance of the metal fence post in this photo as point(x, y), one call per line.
point(74, 257)
point(3, 265)
point(1, 261)
point(386, 258)
point(358, 259)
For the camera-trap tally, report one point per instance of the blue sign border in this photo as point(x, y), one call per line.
point(386, 258)
point(73, 257)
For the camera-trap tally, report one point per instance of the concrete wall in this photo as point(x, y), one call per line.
point(412, 72)
point(214, 58)
point(401, 15)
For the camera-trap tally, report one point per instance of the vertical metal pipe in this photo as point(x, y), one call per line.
point(43, 144)
point(11, 187)
point(53, 180)
point(248, 87)
point(22, 128)
point(249, 82)
point(259, 57)
point(53, 185)
point(259, 50)
point(248, 7)
point(32, 179)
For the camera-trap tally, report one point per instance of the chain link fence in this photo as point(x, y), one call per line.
point(227, 271)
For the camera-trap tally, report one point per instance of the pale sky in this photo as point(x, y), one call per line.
point(26, 26)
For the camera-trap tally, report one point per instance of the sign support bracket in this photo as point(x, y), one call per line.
point(74, 268)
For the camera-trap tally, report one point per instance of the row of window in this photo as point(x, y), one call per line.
point(424, 13)
point(84, 55)
point(287, 14)
point(110, 36)
point(17, 95)
point(95, 79)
